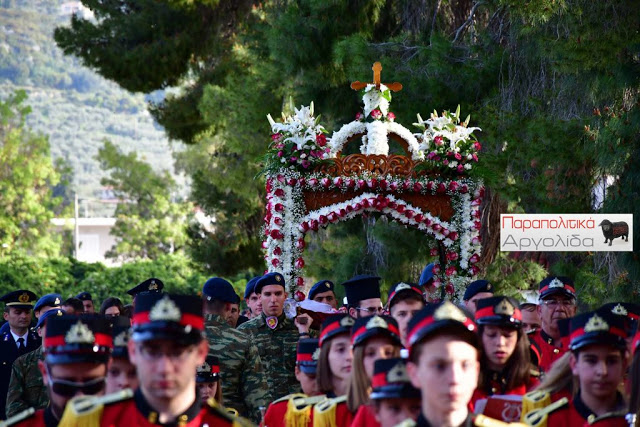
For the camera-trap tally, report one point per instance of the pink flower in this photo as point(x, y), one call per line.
point(450, 271)
point(293, 160)
point(279, 192)
point(351, 182)
point(321, 140)
point(276, 234)
point(299, 295)
point(452, 256)
point(323, 219)
point(279, 207)
point(359, 115)
point(337, 181)
point(277, 251)
point(453, 185)
point(304, 227)
point(278, 221)
point(438, 140)
point(325, 182)
point(299, 282)
point(314, 225)
point(477, 146)
point(391, 116)
point(431, 155)
point(300, 244)
point(445, 162)
point(449, 289)
point(275, 262)
point(376, 114)
point(458, 156)
point(313, 182)
point(419, 218)
point(475, 157)
point(280, 153)
point(474, 258)
point(433, 252)
point(436, 267)
point(299, 263)
point(305, 163)
point(276, 137)
point(453, 235)
point(417, 187)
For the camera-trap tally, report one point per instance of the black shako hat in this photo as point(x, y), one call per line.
point(335, 324)
point(391, 381)
point(439, 318)
point(597, 327)
point(307, 354)
point(149, 285)
point(77, 339)
point(19, 299)
point(367, 327)
point(361, 287)
point(498, 311)
point(557, 285)
point(209, 371)
point(121, 332)
point(168, 316)
point(401, 289)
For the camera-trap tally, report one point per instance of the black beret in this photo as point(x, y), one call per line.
point(320, 287)
point(84, 296)
point(216, 288)
point(272, 278)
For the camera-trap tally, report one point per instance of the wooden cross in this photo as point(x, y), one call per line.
point(377, 67)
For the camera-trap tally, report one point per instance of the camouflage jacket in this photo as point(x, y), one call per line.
point(244, 386)
point(26, 389)
point(277, 348)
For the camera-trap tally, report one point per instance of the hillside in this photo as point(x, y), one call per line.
point(75, 107)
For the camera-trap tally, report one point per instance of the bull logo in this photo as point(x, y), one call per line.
point(613, 230)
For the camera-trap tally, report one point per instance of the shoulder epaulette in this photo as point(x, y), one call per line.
point(84, 404)
point(289, 397)
point(301, 402)
point(329, 403)
point(484, 421)
point(534, 372)
point(538, 417)
point(536, 399)
point(592, 419)
point(407, 423)
point(20, 416)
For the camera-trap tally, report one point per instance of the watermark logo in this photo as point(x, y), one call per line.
point(566, 232)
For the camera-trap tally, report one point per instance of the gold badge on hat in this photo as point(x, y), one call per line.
point(347, 321)
point(327, 285)
point(278, 278)
point(505, 308)
point(24, 298)
point(402, 286)
point(121, 339)
point(619, 310)
point(79, 334)
point(153, 286)
point(205, 368)
point(398, 374)
point(57, 301)
point(556, 283)
point(316, 354)
point(488, 286)
point(596, 323)
point(165, 309)
point(377, 322)
point(448, 311)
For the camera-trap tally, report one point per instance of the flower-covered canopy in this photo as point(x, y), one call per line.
point(310, 184)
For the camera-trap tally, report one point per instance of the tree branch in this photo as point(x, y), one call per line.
point(468, 21)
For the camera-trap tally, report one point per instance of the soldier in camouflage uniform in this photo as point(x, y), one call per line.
point(276, 336)
point(242, 377)
point(26, 388)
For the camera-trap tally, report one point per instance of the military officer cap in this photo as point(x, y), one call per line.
point(307, 354)
point(361, 287)
point(475, 287)
point(216, 288)
point(426, 277)
point(51, 300)
point(320, 287)
point(443, 317)
point(391, 381)
point(250, 288)
point(378, 325)
point(209, 371)
point(168, 316)
point(498, 311)
point(597, 327)
point(334, 325)
point(557, 285)
point(19, 299)
point(150, 285)
point(84, 296)
point(272, 278)
point(121, 332)
point(44, 316)
point(77, 339)
point(628, 309)
point(400, 289)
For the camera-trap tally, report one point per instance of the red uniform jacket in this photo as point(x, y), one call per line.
point(576, 413)
point(497, 385)
point(365, 417)
point(275, 414)
point(549, 353)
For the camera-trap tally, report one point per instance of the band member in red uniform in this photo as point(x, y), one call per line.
point(393, 397)
point(77, 350)
point(166, 345)
point(505, 366)
point(557, 301)
point(208, 380)
point(598, 360)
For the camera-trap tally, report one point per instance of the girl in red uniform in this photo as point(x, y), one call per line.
point(505, 366)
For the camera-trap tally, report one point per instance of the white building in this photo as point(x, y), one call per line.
point(94, 238)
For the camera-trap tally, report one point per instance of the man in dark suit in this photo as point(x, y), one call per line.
point(18, 340)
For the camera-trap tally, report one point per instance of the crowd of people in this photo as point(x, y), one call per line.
point(169, 359)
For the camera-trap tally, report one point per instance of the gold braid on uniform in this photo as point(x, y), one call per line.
point(224, 413)
point(539, 417)
point(299, 410)
point(324, 413)
point(86, 411)
point(533, 400)
point(484, 421)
